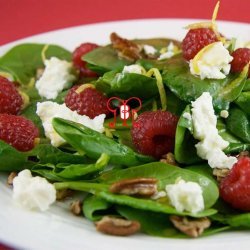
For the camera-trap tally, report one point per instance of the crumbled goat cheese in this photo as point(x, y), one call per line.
point(149, 50)
point(212, 62)
point(56, 77)
point(158, 195)
point(171, 51)
point(33, 193)
point(186, 196)
point(211, 144)
point(224, 114)
point(187, 116)
point(49, 110)
point(135, 68)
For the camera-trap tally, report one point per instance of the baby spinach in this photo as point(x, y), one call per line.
point(238, 124)
point(176, 75)
point(11, 159)
point(94, 207)
point(23, 60)
point(66, 171)
point(93, 143)
point(104, 59)
point(126, 85)
point(243, 101)
point(185, 151)
point(101, 190)
point(165, 174)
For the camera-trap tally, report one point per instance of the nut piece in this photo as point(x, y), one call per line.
point(11, 178)
point(126, 49)
point(220, 173)
point(39, 73)
point(192, 228)
point(76, 207)
point(117, 226)
point(145, 187)
point(64, 193)
point(169, 159)
point(242, 154)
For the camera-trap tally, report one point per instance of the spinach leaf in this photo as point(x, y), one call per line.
point(126, 85)
point(104, 59)
point(101, 190)
point(94, 207)
point(165, 174)
point(185, 151)
point(243, 101)
point(23, 60)
point(93, 143)
point(238, 124)
point(158, 224)
point(176, 75)
point(66, 171)
point(11, 159)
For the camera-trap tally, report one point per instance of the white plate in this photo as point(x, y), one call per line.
point(58, 228)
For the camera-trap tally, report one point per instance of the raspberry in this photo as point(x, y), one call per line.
point(235, 187)
point(89, 101)
point(18, 132)
point(83, 49)
point(10, 100)
point(241, 57)
point(195, 40)
point(154, 133)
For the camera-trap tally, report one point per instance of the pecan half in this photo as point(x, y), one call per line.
point(117, 226)
point(192, 228)
point(220, 173)
point(145, 187)
point(11, 178)
point(126, 49)
point(64, 193)
point(169, 159)
point(76, 207)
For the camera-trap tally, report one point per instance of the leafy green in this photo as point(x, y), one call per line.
point(238, 124)
point(94, 207)
point(165, 174)
point(93, 143)
point(23, 60)
point(243, 101)
point(176, 75)
point(126, 85)
point(104, 59)
point(185, 151)
point(11, 159)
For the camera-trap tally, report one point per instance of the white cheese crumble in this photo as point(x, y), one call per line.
point(187, 116)
point(49, 110)
point(212, 62)
point(211, 144)
point(149, 50)
point(134, 68)
point(33, 193)
point(158, 195)
point(186, 196)
point(224, 114)
point(171, 51)
point(56, 77)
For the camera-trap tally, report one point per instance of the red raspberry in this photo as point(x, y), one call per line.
point(241, 59)
point(154, 133)
point(89, 101)
point(235, 187)
point(10, 100)
point(195, 40)
point(18, 131)
point(83, 49)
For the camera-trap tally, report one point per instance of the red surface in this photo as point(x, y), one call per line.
point(21, 18)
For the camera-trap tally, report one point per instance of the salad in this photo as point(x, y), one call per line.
point(153, 135)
